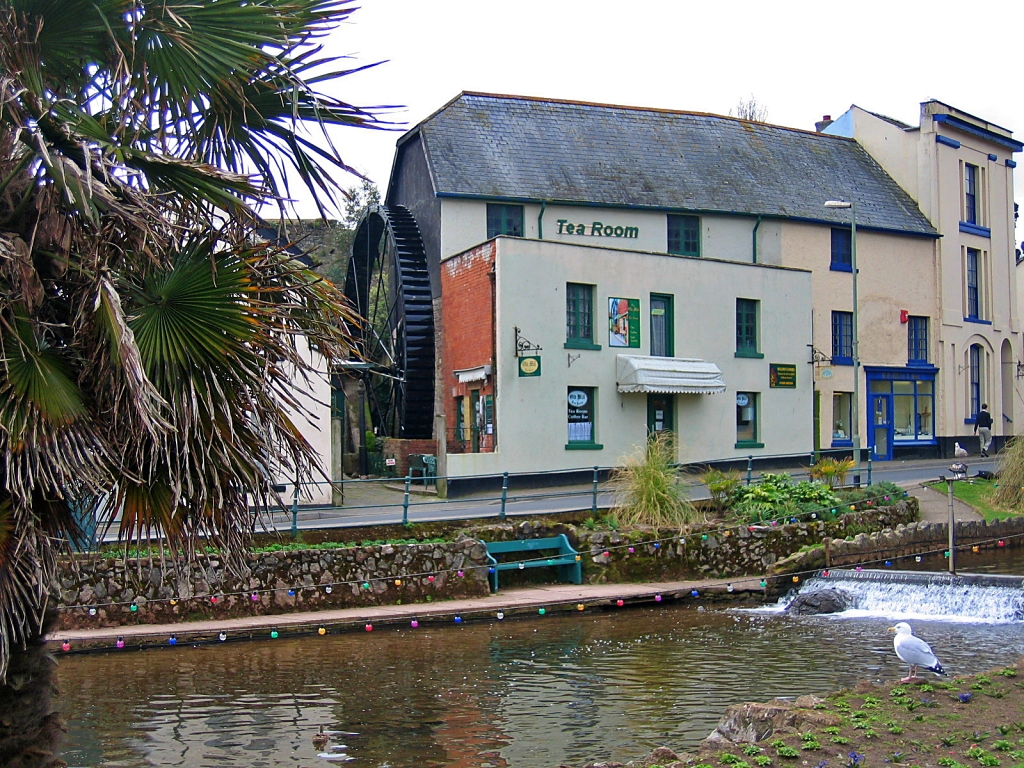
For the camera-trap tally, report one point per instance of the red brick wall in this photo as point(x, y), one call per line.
point(399, 450)
point(467, 319)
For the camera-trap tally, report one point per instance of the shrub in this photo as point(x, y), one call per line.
point(831, 471)
point(776, 495)
point(722, 487)
point(646, 487)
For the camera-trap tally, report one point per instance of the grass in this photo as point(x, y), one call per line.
point(980, 494)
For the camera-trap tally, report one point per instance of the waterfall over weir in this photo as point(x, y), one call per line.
point(921, 595)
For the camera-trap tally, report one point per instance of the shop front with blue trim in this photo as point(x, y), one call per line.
point(901, 410)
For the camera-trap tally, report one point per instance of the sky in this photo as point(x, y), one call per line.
point(801, 60)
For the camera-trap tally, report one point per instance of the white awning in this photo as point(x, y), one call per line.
point(681, 375)
point(466, 375)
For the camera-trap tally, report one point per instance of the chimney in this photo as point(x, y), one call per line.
point(824, 123)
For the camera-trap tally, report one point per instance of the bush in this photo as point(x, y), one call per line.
point(776, 495)
point(722, 487)
point(832, 471)
point(647, 489)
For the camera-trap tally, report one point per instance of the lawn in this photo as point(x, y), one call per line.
point(977, 493)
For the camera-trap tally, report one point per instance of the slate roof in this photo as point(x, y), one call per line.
point(519, 148)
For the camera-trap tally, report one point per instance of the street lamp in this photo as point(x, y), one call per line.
point(855, 427)
point(958, 470)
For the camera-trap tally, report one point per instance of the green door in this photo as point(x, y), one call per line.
point(660, 413)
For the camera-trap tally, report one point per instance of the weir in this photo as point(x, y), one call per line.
point(922, 594)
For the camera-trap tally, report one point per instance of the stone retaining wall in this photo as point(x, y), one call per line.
point(104, 590)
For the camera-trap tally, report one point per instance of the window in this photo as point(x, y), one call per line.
point(842, 418)
point(842, 338)
point(974, 361)
point(746, 328)
point(917, 339)
point(973, 284)
point(504, 220)
point(662, 322)
point(460, 420)
point(971, 194)
point(912, 400)
point(746, 420)
point(579, 316)
point(580, 404)
point(842, 250)
point(684, 235)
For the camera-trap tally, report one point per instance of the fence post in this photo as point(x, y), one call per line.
point(295, 510)
point(593, 502)
point(504, 495)
point(750, 468)
point(811, 466)
point(405, 500)
point(869, 465)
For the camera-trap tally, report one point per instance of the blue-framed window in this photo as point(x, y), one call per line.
point(917, 339)
point(842, 419)
point(973, 284)
point(842, 250)
point(684, 235)
point(912, 394)
point(842, 338)
point(974, 362)
point(970, 193)
point(504, 219)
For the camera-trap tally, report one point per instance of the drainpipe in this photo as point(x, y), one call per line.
point(753, 239)
point(540, 220)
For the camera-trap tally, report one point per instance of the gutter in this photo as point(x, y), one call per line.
point(540, 219)
point(753, 240)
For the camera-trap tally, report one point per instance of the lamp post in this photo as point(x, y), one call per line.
point(958, 470)
point(855, 427)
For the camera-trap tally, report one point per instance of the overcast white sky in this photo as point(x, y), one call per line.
point(800, 59)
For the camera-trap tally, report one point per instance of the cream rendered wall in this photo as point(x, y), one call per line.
point(530, 413)
point(464, 225)
point(313, 420)
point(894, 272)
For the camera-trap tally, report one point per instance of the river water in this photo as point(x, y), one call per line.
point(601, 685)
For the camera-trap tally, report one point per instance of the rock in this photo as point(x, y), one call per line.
point(809, 702)
point(820, 601)
point(747, 723)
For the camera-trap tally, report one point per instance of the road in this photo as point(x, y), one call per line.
point(375, 504)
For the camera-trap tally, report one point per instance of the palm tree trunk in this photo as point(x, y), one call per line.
point(30, 727)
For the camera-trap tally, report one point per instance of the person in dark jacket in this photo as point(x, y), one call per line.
point(983, 429)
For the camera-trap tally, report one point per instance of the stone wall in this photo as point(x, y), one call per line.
point(107, 592)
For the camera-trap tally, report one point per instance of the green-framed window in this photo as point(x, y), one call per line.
point(747, 432)
point(503, 219)
point(684, 235)
point(579, 316)
point(662, 325)
point(747, 311)
point(581, 418)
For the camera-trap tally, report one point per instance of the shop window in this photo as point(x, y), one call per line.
point(842, 338)
point(746, 420)
point(579, 316)
point(504, 220)
point(662, 323)
point(746, 328)
point(975, 360)
point(971, 194)
point(917, 339)
point(912, 402)
point(842, 250)
point(684, 235)
point(973, 292)
point(581, 418)
point(842, 418)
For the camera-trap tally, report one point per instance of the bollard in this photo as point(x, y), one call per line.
point(504, 495)
point(295, 511)
point(869, 465)
point(405, 500)
point(593, 502)
point(750, 468)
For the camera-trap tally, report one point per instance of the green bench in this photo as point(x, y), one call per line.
point(562, 556)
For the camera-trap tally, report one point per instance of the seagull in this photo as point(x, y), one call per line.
point(914, 651)
point(958, 451)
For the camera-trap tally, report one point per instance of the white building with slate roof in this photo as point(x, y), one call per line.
point(598, 272)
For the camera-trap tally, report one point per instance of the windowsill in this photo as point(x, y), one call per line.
point(581, 344)
point(842, 443)
point(970, 421)
point(977, 320)
point(749, 353)
point(842, 361)
point(748, 444)
point(898, 441)
point(975, 229)
point(680, 253)
point(584, 447)
point(838, 266)
point(918, 364)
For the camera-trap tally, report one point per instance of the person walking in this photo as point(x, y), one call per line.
point(983, 428)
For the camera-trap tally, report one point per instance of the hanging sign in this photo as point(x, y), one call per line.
point(624, 323)
point(529, 366)
point(781, 376)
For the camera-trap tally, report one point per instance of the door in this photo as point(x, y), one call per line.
point(660, 413)
point(475, 409)
point(880, 437)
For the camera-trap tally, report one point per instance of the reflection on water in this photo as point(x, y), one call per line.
point(562, 689)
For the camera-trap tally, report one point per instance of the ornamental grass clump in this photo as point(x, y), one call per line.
point(647, 490)
point(1009, 492)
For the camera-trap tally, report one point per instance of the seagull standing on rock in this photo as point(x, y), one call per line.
point(914, 651)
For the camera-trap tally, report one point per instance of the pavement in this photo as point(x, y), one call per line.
point(935, 506)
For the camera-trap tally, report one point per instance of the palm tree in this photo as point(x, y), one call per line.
point(151, 343)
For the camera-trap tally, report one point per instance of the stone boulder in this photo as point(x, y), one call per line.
point(820, 601)
point(752, 722)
